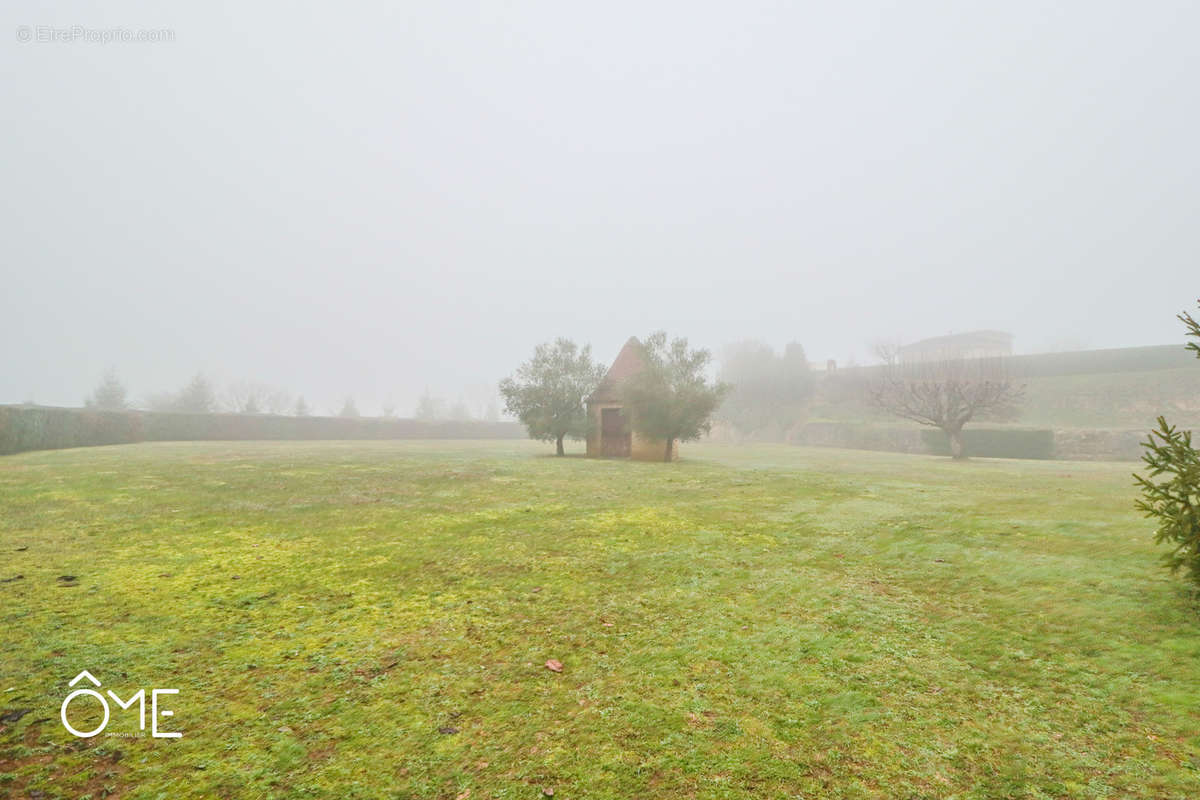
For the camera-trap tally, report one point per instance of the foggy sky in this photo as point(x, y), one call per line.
point(378, 200)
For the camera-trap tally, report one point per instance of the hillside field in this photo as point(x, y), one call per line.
point(1114, 400)
point(374, 620)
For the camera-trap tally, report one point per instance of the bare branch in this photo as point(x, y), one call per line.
point(945, 394)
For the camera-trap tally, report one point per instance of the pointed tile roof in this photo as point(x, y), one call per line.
point(630, 361)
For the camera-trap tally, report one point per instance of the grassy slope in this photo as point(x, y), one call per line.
point(759, 622)
point(1115, 400)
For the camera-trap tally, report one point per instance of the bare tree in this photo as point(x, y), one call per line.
point(244, 397)
point(945, 394)
point(429, 407)
point(197, 397)
point(482, 399)
point(247, 397)
point(277, 401)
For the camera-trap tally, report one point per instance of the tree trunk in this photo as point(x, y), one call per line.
point(559, 448)
point(957, 451)
point(667, 457)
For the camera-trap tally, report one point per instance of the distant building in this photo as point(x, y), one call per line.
point(974, 344)
point(610, 434)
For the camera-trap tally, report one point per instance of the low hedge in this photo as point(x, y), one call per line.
point(46, 428)
point(981, 442)
point(994, 442)
point(40, 428)
point(861, 436)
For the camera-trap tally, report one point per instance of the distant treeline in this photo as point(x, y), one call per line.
point(47, 428)
point(200, 396)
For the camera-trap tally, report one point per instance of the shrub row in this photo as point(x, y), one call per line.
point(981, 442)
point(38, 428)
point(861, 436)
point(994, 442)
point(44, 428)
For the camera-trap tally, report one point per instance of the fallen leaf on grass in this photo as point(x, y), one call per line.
point(554, 665)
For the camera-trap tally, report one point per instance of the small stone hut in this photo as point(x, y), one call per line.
point(610, 434)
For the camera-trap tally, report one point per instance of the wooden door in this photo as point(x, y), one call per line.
point(614, 434)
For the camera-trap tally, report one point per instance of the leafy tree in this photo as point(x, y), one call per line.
point(197, 397)
point(349, 409)
point(301, 409)
point(1171, 490)
point(671, 399)
point(109, 395)
point(769, 393)
point(548, 390)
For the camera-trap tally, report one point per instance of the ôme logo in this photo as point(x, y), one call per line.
point(139, 698)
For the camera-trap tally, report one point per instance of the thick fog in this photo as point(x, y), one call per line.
point(379, 200)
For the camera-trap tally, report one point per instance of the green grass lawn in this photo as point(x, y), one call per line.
point(362, 620)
